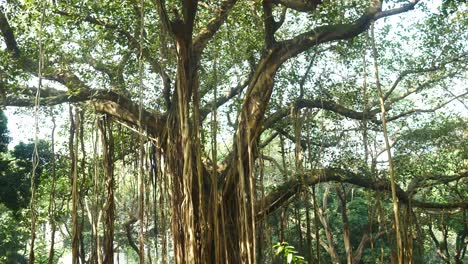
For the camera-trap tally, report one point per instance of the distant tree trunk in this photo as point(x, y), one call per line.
point(128, 232)
point(440, 246)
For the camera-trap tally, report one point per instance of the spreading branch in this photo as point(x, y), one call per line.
point(320, 104)
point(328, 33)
point(410, 72)
point(104, 101)
point(417, 110)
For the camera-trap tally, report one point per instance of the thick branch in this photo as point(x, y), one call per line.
point(299, 5)
point(104, 101)
point(292, 187)
point(269, 24)
point(260, 88)
point(8, 35)
point(189, 11)
point(213, 25)
point(417, 89)
point(396, 11)
point(305, 143)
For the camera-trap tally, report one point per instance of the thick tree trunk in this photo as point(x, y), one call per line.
point(191, 229)
point(108, 152)
point(192, 204)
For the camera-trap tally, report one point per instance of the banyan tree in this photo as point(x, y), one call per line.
point(177, 73)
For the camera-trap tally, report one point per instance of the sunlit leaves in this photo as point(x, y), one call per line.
point(289, 254)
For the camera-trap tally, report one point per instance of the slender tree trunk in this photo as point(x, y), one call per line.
point(52, 197)
point(154, 167)
point(297, 214)
point(147, 211)
point(81, 192)
point(461, 245)
point(309, 233)
point(73, 149)
point(284, 209)
point(261, 232)
point(163, 188)
point(316, 217)
point(35, 158)
point(141, 170)
point(346, 232)
point(95, 212)
point(326, 226)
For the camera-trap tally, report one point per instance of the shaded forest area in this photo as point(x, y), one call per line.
point(234, 131)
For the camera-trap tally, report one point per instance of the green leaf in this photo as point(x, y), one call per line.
point(289, 258)
point(279, 249)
